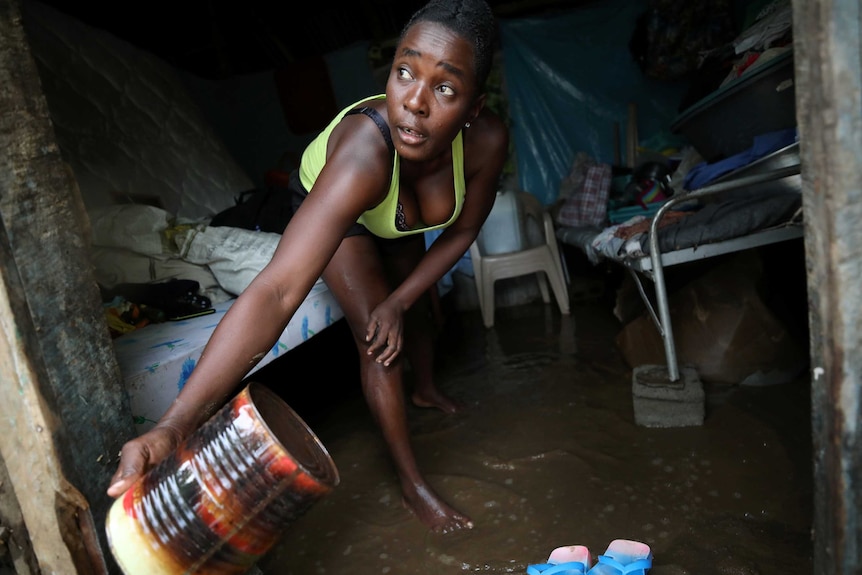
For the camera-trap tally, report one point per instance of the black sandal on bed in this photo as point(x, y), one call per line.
point(177, 298)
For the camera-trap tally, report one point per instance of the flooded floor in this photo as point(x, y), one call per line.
point(549, 455)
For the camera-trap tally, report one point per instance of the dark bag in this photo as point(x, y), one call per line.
point(175, 298)
point(263, 210)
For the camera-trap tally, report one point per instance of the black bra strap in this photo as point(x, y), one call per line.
point(381, 124)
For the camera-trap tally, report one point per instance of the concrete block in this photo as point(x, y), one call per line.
point(658, 402)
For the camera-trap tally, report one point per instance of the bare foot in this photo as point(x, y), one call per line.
point(436, 399)
point(434, 512)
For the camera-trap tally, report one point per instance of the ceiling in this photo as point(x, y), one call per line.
point(217, 39)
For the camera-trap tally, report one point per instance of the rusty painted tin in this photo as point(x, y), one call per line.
point(223, 498)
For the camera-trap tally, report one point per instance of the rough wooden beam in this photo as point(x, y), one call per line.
point(17, 549)
point(63, 409)
point(828, 60)
point(46, 499)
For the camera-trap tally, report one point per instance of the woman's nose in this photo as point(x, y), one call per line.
point(415, 101)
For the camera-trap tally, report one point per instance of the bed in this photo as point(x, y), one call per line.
point(144, 246)
point(156, 361)
point(754, 205)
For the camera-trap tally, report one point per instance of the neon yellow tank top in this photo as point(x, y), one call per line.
point(380, 220)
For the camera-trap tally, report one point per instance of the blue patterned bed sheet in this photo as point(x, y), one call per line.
point(156, 361)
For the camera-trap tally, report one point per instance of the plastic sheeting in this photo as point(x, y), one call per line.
point(569, 77)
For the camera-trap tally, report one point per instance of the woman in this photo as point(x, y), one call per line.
point(425, 155)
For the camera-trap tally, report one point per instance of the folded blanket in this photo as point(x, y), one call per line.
point(704, 173)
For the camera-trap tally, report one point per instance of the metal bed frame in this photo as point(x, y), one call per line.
point(652, 266)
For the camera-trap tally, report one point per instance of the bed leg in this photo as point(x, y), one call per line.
point(664, 316)
point(662, 323)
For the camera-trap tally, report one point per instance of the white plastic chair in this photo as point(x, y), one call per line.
point(540, 256)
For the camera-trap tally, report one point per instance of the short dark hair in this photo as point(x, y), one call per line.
point(473, 20)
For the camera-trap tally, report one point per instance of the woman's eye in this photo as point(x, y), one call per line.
point(447, 90)
point(404, 74)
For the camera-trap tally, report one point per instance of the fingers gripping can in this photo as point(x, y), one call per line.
point(223, 498)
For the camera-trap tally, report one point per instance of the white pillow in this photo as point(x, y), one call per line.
point(234, 255)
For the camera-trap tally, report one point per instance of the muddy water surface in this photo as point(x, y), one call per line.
point(548, 454)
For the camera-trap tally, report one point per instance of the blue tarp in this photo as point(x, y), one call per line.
point(569, 77)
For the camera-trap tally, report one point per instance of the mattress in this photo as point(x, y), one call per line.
point(156, 361)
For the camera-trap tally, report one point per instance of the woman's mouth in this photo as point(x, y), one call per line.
point(410, 135)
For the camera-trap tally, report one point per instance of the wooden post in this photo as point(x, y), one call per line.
point(63, 411)
point(632, 136)
point(828, 50)
point(48, 503)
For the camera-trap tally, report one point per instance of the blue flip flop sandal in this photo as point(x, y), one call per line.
point(624, 557)
point(569, 560)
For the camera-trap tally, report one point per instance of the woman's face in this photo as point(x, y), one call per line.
point(431, 91)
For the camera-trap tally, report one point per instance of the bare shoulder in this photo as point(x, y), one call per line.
point(358, 163)
point(360, 136)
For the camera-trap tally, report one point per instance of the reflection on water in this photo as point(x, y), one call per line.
point(549, 455)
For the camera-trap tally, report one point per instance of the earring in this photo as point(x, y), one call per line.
point(467, 125)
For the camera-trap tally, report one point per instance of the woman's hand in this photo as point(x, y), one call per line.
point(140, 454)
point(385, 332)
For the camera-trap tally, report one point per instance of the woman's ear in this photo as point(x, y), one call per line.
point(477, 106)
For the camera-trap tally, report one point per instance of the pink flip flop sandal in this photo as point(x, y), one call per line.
point(569, 560)
point(624, 557)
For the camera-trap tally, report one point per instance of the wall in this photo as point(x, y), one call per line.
point(247, 112)
point(125, 121)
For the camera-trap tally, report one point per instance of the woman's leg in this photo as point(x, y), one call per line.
point(357, 278)
point(400, 258)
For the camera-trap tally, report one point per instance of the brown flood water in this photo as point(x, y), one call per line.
point(549, 455)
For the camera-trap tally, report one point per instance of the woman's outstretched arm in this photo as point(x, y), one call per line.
point(347, 186)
